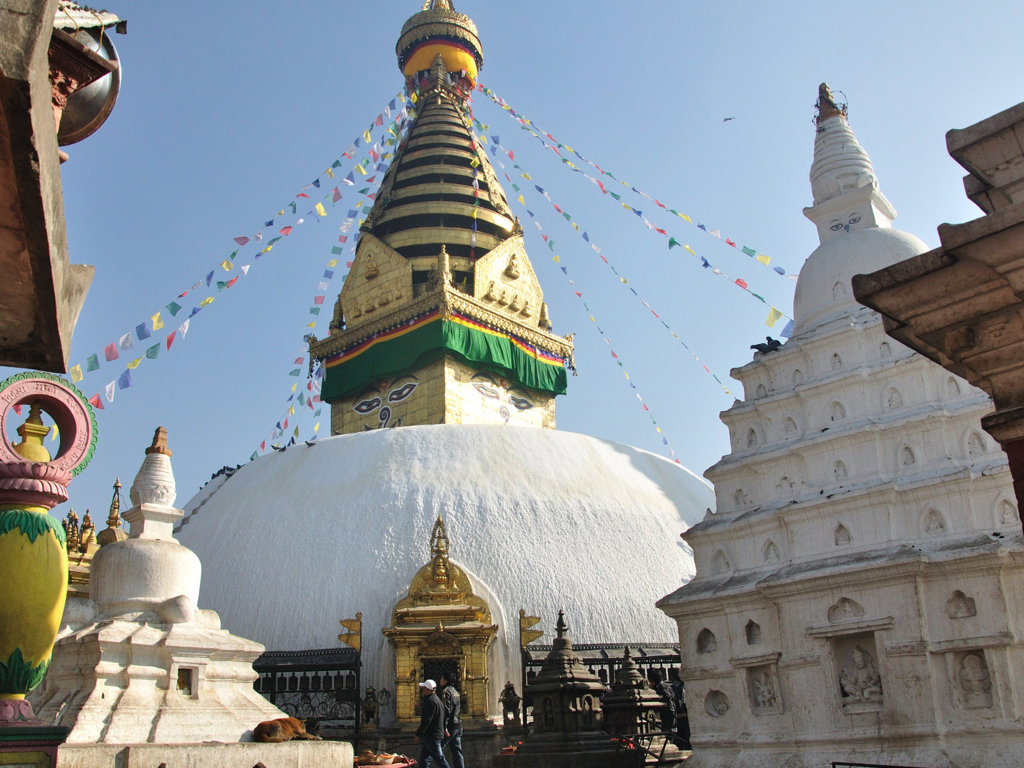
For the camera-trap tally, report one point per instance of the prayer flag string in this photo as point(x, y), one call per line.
point(145, 330)
point(528, 125)
point(597, 249)
point(774, 313)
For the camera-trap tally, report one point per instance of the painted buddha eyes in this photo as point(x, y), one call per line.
point(854, 218)
point(486, 391)
point(367, 406)
point(520, 403)
point(399, 394)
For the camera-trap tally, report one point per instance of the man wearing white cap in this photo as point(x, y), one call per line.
point(431, 729)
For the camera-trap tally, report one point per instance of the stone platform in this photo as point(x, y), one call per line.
point(289, 754)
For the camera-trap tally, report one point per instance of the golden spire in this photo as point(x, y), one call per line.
point(114, 532)
point(32, 432)
point(432, 5)
point(439, 552)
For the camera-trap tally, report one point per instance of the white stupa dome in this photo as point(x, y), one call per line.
point(824, 291)
point(538, 519)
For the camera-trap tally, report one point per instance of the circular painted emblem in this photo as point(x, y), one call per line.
point(70, 411)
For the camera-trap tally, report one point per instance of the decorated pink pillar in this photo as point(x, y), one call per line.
point(33, 549)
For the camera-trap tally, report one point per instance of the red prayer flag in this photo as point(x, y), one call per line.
point(343, 238)
point(741, 283)
point(298, 360)
point(510, 155)
point(336, 195)
point(110, 352)
point(318, 300)
point(379, 121)
point(170, 338)
point(232, 281)
point(263, 445)
point(241, 240)
point(286, 231)
point(730, 242)
point(95, 402)
point(303, 194)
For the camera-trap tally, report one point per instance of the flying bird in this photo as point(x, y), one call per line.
point(727, 119)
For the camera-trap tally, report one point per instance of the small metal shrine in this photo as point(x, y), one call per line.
point(441, 627)
point(566, 710)
point(633, 707)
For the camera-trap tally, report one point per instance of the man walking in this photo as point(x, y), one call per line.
point(452, 720)
point(431, 729)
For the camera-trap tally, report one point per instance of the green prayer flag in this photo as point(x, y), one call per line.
point(174, 308)
point(153, 351)
point(672, 242)
point(92, 363)
point(749, 251)
point(314, 310)
point(617, 197)
point(294, 373)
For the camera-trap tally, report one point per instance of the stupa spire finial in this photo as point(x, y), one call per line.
point(827, 105)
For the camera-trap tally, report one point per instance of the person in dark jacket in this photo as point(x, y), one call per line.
point(431, 729)
point(452, 721)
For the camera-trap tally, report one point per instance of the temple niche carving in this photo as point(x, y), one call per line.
point(441, 627)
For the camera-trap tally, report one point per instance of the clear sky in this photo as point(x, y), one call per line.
point(229, 109)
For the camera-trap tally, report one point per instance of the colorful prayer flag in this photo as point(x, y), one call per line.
point(76, 373)
point(124, 380)
point(773, 317)
point(95, 402)
point(158, 322)
point(125, 342)
point(110, 352)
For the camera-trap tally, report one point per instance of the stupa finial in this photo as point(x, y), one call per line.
point(159, 442)
point(827, 106)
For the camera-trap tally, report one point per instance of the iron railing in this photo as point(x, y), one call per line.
point(320, 684)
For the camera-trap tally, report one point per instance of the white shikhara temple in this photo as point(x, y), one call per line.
point(857, 594)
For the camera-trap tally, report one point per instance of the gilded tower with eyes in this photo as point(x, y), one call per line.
point(442, 318)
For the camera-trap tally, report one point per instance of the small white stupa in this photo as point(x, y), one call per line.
point(149, 666)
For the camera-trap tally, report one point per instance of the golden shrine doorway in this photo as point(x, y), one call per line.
point(441, 627)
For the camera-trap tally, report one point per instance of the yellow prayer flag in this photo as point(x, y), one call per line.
point(316, 427)
point(207, 300)
point(482, 138)
point(320, 209)
point(764, 259)
point(361, 170)
point(474, 163)
point(366, 136)
point(76, 373)
point(556, 259)
point(684, 217)
point(227, 264)
point(401, 97)
point(527, 177)
point(575, 226)
point(158, 323)
point(294, 386)
point(329, 172)
point(773, 317)
point(311, 325)
point(135, 363)
point(521, 201)
point(592, 319)
point(291, 410)
point(332, 263)
point(690, 249)
point(412, 98)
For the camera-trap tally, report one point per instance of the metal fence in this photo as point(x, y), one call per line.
point(320, 684)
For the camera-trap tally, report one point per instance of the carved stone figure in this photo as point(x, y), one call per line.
point(933, 522)
point(843, 536)
point(510, 706)
point(716, 704)
point(861, 682)
point(371, 707)
point(512, 270)
point(764, 693)
point(490, 295)
point(975, 682)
